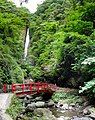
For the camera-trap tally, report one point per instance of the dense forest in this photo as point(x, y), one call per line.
point(62, 46)
point(13, 23)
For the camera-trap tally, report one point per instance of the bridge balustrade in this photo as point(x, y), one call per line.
point(27, 88)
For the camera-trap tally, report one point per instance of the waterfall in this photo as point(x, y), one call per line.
point(26, 44)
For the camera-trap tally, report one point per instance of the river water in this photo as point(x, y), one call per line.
point(66, 113)
point(74, 114)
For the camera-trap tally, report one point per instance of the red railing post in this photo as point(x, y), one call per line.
point(30, 88)
point(41, 87)
point(44, 87)
point(4, 88)
point(13, 88)
point(23, 88)
point(38, 86)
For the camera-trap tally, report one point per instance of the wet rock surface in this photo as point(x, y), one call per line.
point(38, 106)
point(82, 118)
point(49, 110)
point(46, 114)
point(72, 111)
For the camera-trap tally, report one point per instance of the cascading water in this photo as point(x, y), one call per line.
point(26, 44)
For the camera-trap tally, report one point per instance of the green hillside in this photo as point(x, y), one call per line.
point(13, 22)
point(62, 46)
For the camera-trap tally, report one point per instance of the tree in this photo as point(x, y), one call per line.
point(12, 26)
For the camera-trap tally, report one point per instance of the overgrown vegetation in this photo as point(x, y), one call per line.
point(67, 97)
point(15, 107)
point(89, 66)
point(13, 23)
point(62, 36)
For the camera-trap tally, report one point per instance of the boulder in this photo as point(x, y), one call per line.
point(49, 104)
point(85, 104)
point(92, 116)
point(29, 97)
point(30, 107)
point(34, 105)
point(65, 107)
point(40, 104)
point(38, 98)
point(63, 118)
point(73, 104)
point(86, 111)
point(44, 114)
point(71, 108)
point(92, 111)
point(82, 118)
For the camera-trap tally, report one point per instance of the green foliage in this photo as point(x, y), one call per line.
point(10, 70)
point(67, 97)
point(89, 13)
point(88, 66)
point(13, 22)
point(89, 87)
point(63, 36)
point(36, 72)
point(79, 26)
point(15, 107)
point(51, 10)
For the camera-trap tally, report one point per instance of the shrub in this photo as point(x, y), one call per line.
point(15, 107)
point(88, 66)
point(82, 27)
point(89, 13)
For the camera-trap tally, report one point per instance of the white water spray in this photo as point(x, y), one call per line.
point(26, 44)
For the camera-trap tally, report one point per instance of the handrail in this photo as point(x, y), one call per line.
point(31, 87)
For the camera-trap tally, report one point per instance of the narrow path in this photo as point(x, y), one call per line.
point(5, 100)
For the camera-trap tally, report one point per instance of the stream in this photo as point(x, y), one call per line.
point(49, 110)
point(69, 114)
point(58, 113)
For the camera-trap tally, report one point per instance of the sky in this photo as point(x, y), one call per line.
point(31, 5)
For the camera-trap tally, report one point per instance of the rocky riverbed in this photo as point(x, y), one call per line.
point(62, 106)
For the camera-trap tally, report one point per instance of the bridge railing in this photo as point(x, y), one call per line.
point(28, 87)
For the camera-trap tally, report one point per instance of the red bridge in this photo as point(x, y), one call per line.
point(30, 88)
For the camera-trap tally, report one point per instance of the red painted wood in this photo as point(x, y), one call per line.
point(13, 88)
point(5, 88)
point(22, 88)
point(30, 88)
